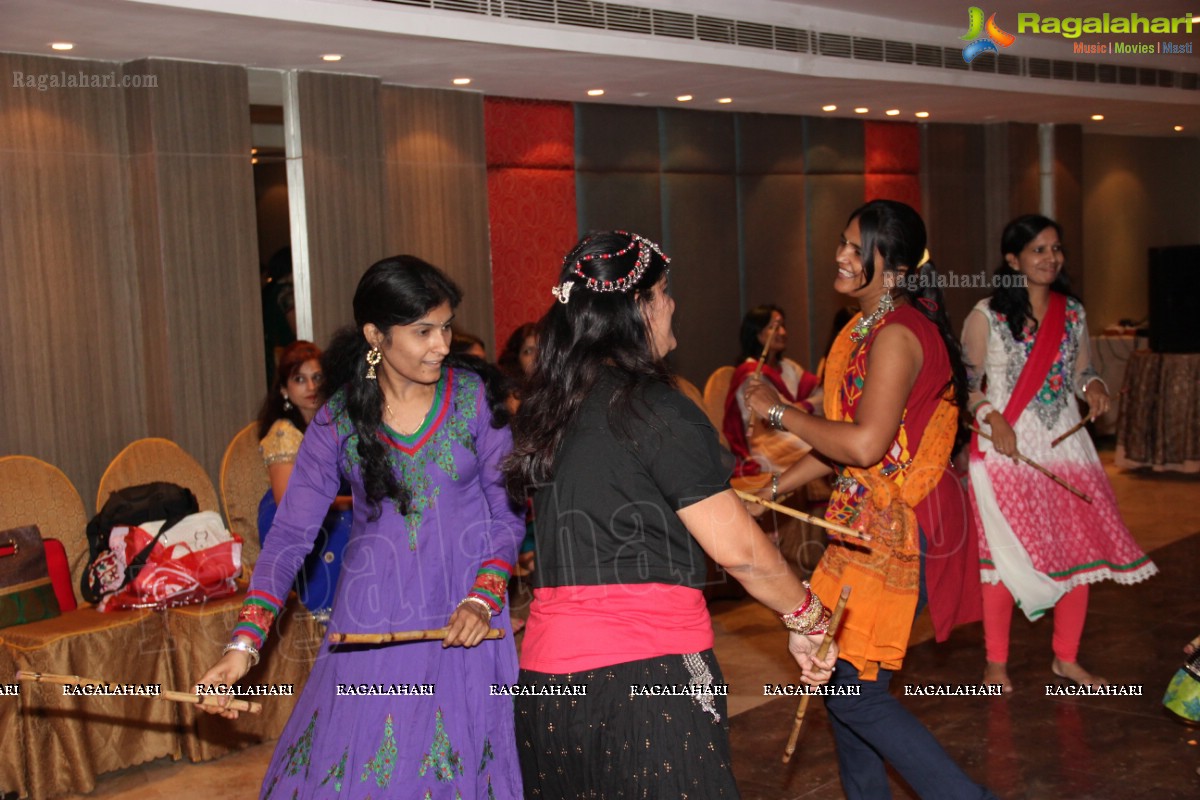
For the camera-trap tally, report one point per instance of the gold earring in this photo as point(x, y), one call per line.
point(373, 358)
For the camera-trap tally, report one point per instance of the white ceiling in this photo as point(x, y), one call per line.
point(418, 47)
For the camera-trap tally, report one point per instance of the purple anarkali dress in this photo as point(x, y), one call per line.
point(401, 720)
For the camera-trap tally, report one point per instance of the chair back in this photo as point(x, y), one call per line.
point(716, 389)
point(691, 392)
point(33, 492)
point(149, 460)
point(243, 483)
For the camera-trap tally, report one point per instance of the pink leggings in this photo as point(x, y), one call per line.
point(1069, 616)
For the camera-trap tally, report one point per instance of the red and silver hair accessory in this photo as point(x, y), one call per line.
point(644, 247)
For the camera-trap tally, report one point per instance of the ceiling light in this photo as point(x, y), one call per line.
point(595, 92)
point(683, 98)
point(1097, 117)
point(861, 110)
point(253, 151)
point(922, 114)
point(62, 46)
point(254, 161)
point(1178, 128)
point(893, 112)
point(829, 107)
point(461, 81)
point(331, 57)
point(724, 100)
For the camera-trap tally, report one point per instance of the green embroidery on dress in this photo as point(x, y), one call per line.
point(337, 772)
point(300, 753)
point(488, 755)
point(385, 758)
point(441, 756)
point(439, 449)
point(491, 791)
point(271, 788)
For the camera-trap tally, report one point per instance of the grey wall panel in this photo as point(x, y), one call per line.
point(830, 199)
point(771, 144)
point(697, 141)
point(620, 201)
point(1068, 202)
point(833, 146)
point(773, 240)
point(616, 138)
point(700, 213)
point(435, 183)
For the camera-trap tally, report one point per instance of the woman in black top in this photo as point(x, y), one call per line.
point(630, 488)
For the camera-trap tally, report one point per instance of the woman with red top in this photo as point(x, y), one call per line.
point(631, 490)
point(894, 389)
point(759, 448)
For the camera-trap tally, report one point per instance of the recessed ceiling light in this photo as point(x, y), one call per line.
point(331, 57)
point(254, 161)
point(253, 151)
point(461, 81)
point(922, 114)
point(683, 98)
point(62, 46)
point(1178, 127)
point(724, 100)
point(1097, 117)
point(893, 112)
point(861, 110)
point(829, 107)
point(595, 92)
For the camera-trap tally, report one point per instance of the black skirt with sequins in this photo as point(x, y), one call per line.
point(653, 728)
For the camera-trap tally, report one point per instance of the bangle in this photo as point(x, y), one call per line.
point(775, 416)
point(477, 601)
point(811, 618)
point(244, 647)
point(982, 410)
point(774, 486)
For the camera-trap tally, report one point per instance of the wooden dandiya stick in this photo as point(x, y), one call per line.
point(758, 370)
point(1074, 430)
point(822, 651)
point(402, 636)
point(212, 700)
point(1041, 469)
point(791, 512)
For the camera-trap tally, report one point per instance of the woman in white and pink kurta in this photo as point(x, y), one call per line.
point(1026, 349)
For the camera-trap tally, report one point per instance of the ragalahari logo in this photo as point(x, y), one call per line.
point(983, 44)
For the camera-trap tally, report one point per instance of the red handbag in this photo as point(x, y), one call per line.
point(60, 574)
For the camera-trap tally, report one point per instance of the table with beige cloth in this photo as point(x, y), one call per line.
point(1159, 422)
point(1110, 356)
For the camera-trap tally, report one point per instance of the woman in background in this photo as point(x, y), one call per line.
point(760, 448)
point(290, 405)
point(1027, 351)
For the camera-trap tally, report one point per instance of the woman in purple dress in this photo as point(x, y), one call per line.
point(432, 544)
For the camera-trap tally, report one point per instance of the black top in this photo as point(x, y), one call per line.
point(609, 514)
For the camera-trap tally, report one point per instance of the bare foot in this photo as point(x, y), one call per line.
point(997, 672)
point(1076, 674)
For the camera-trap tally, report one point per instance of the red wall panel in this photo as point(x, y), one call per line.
point(892, 162)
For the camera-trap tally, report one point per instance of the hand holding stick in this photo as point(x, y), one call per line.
point(822, 651)
point(435, 634)
point(800, 515)
point(233, 704)
point(758, 369)
point(1041, 469)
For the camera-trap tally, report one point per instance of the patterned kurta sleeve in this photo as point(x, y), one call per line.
point(975, 345)
point(281, 444)
point(1084, 372)
point(498, 537)
point(311, 488)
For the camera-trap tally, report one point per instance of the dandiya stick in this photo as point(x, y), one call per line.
point(212, 700)
point(759, 367)
point(822, 651)
point(1043, 470)
point(791, 512)
point(1074, 430)
point(402, 636)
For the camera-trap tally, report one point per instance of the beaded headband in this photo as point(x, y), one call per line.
point(644, 246)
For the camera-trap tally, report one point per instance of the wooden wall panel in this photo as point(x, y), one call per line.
point(829, 199)
point(435, 185)
point(197, 255)
point(628, 201)
point(1068, 202)
point(70, 338)
point(343, 193)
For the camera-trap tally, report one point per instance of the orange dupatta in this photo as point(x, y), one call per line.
point(884, 573)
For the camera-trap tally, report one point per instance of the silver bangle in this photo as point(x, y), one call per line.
point(482, 604)
point(775, 416)
point(774, 486)
point(245, 647)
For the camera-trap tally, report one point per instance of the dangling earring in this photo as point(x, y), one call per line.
point(287, 404)
point(373, 358)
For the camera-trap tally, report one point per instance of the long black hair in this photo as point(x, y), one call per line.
point(1011, 298)
point(293, 357)
point(897, 232)
point(593, 326)
point(395, 291)
point(753, 323)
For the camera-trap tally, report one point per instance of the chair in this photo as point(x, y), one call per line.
point(34, 492)
point(243, 482)
point(149, 460)
point(716, 389)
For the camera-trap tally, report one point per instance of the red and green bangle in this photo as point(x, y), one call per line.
point(258, 614)
point(491, 584)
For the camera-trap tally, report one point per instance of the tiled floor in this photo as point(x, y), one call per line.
point(1025, 746)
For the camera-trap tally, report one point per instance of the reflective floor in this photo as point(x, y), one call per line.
point(1028, 745)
